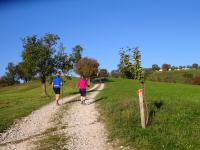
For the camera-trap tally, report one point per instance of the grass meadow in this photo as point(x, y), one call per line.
point(20, 100)
point(176, 76)
point(174, 115)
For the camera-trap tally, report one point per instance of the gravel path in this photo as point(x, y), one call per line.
point(84, 129)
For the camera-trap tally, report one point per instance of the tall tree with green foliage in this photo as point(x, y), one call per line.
point(63, 61)
point(139, 73)
point(66, 62)
point(126, 66)
point(130, 61)
point(76, 54)
point(38, 54)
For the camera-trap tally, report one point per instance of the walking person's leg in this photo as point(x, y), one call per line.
point(57, 92)
point(84, 95)
point(80, 91)
point(57, 99)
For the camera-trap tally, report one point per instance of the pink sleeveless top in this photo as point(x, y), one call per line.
point(82, 84)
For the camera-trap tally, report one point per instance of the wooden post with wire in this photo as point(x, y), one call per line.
point(140, 93)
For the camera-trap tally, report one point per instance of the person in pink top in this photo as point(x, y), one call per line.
point(82, 85)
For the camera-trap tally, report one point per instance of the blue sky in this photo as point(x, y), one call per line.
point(166, 31)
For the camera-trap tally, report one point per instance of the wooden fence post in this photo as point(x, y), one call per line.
point(142, 109)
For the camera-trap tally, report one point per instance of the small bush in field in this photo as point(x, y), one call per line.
point(159, 79)
point(169, 79)
point(188, 77)
point(155, 79)
point(196, 80)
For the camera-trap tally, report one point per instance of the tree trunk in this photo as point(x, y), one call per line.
point(44, 89)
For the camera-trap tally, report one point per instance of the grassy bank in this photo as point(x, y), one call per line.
point(181, 76)
point(20, 100)
point(175, 121)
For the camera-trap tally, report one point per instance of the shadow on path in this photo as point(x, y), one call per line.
point(96, 100)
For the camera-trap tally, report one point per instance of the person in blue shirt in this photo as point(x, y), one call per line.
point(57, 85)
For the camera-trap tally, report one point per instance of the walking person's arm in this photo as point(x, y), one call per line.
point(61, 83)
point(78, 83)
point(52, 84)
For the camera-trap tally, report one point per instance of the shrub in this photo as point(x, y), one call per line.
point(188, 77)
point(196, 80)
point(3, 81)
point(115, 73)
point(169, 79)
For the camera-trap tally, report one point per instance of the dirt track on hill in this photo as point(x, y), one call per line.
point(83, 129)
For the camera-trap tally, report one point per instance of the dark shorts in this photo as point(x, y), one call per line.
point(82, 92)
point(56, 90)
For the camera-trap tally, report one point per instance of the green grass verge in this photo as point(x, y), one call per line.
point(20, 100)
point(175, 115)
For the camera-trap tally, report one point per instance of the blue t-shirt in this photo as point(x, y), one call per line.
point(57, 82)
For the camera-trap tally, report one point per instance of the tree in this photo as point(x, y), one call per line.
point(131, 59)
point(115, 73)
point(66, 62)
point(155, 67)
point(87, 67)
point(180, 67)
point(63, 61)
point(166, 67)
point(195, 66)
point(38, 54)
point(76, 54)
point(11, 76)
point(126, 67)
point(173, 68)
point(103, 73)
point(24, 72)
